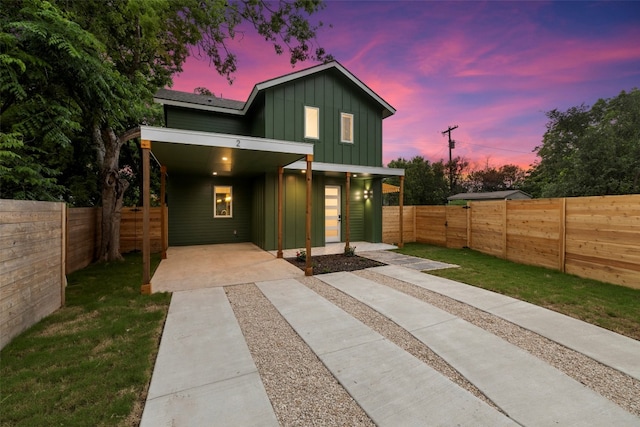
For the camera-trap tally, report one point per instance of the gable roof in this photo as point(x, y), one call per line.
point(491, 195)
point(212, 103)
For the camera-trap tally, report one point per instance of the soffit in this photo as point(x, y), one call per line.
point(204, 153)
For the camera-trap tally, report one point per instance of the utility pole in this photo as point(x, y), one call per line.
point(452, 145)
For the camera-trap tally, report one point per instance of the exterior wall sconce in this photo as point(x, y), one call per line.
point(368, 194)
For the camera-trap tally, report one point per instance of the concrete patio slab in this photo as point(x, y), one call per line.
point(202, 356)
point(607, 347)
point(392, 386)
point(205, 266)
point(530, 391)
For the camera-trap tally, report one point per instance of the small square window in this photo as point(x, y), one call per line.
point(222, 201)
point(346, 127)
point(311, 122)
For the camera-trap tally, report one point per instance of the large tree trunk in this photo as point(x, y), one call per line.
point(113, 187)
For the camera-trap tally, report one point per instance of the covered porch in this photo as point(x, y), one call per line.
point(207, 154)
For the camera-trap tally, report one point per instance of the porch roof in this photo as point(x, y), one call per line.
point(361, 171)
point(208, 153)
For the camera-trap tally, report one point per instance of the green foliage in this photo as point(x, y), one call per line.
point(349, 251)
point(425, 183)
point(590, 151)
point(75, 74)
point(506, 177)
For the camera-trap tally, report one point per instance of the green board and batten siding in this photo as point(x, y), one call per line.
point(191, 220)
point(332, 94)
point(278, 113)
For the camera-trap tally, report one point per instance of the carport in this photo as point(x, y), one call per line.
point(179, 150)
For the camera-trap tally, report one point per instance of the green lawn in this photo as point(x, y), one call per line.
point(90, 362)
point(610, 306)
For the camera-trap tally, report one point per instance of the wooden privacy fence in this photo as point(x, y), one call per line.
point(593, 237)
point(83, 233)
point(32, 260)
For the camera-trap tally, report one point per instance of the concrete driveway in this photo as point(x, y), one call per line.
point(205, 374)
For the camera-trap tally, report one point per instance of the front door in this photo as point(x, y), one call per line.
point(332, 214)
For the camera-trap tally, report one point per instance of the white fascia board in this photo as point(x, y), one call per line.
point(335, 167)
point(210, 139)
point(303, 73)
point(198, 106)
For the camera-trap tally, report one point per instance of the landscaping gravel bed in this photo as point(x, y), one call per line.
point(302, 390)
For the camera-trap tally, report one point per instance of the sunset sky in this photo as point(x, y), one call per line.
point(492, 68)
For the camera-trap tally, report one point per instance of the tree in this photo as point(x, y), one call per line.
point(590, 151)
point(507, 177)
point(120, 55)
point(425, 183)
point(41, 50)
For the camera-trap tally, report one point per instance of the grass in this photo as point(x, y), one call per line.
point(90, 362)
point(613, 307)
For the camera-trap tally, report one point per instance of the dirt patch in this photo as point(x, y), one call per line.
point(333, 263)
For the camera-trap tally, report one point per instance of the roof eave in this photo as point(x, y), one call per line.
point(192, 106)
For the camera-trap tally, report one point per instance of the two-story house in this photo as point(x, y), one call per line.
point(237, 169)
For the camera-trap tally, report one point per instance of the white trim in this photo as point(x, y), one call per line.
point(335, 167)
point(351, 119)
point(309, 71)
point(279, 80)
point(307, 129)
point(210, 139)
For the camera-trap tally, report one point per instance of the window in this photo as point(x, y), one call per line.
point(346, 127)
point(311, 122)
point(222, 201)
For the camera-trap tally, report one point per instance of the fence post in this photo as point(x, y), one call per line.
point(401, 205)
point(469, 225)
point(505, 253)
point(64, 243)
point(562, 234)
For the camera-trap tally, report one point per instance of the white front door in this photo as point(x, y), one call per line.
point(332, 214)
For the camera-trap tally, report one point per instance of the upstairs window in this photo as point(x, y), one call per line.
point(346, 127)
point(311, 122)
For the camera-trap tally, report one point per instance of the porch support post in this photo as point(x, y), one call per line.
point(280, 175)
point(146, 240)
point(347, 243)
point(308, 271)
point(163, 207)
point(401, 204)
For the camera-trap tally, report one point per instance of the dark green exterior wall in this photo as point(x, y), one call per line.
point(205, 121)
point(278, 113)
point(191, 221)
point(332, 94)
point(255, 211)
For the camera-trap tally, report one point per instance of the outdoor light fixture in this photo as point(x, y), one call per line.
point(368, 194)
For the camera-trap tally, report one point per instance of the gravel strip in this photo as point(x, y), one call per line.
point(301, 389)
point(620, 388)
point(394, 333)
